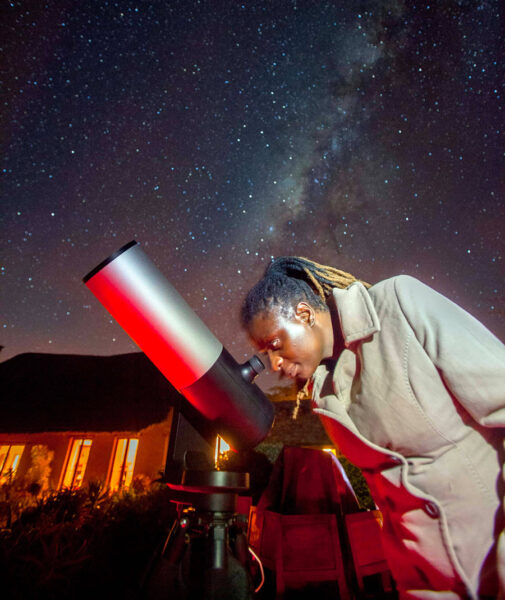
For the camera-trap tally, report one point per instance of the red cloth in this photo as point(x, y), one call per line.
point(307, 481)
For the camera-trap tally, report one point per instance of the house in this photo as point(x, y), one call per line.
point(69, 419)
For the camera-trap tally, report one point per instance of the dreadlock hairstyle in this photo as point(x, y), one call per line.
point(291, 279)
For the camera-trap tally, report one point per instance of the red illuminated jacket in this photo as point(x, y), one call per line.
point(417, 401)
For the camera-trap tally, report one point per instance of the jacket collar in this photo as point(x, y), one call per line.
point(358, 318)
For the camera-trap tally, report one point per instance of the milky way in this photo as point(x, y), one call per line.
point(367, 135)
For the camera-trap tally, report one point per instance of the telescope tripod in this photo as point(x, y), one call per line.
point(205, 555)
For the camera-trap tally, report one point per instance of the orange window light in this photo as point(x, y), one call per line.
point(9, 461)
point(221, 447)
point(76, 465)
point(124, 463)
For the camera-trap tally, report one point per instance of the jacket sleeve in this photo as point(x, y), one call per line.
point(469, 358)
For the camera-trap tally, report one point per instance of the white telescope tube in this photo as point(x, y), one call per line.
point(163, 325)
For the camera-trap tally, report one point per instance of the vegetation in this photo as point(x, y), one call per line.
point(73, 544)
point(76, 543)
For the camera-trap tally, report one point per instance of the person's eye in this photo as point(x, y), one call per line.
point(274, 344)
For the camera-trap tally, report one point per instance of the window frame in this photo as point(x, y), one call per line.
point(72, 461)
point(4, 476)
point(119, 478)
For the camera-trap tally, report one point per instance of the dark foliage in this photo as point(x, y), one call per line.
point(79, 543)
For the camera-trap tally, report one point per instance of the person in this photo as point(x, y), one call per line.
point(411, 388)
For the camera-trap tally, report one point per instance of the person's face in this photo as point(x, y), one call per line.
point(295, 344)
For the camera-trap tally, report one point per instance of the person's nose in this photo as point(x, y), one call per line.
point(275, 361)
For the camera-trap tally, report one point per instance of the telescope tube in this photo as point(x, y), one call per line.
point(180, 345)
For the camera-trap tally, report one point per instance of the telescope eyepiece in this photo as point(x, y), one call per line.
point(251, 369)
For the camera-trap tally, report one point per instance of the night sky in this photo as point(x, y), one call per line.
point(218, 134)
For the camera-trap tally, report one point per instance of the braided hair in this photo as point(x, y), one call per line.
point(291, 279)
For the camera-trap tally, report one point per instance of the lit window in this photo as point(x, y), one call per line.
point(9, 462)
point(124, 461)
point(221, 448)
point(76, 465)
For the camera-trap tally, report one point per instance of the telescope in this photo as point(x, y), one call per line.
point(181, 346)
point(220, 399)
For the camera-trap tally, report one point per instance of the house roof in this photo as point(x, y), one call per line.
point(62, 392)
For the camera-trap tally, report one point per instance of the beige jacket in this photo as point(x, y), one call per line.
point(417, 401)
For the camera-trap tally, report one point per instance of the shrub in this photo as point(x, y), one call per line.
point(78, 543)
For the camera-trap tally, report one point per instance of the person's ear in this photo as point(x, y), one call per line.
point(305, 313)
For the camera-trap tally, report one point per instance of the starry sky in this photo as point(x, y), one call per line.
point(218, 134)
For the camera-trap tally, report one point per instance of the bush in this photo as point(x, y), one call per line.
point(78, 543)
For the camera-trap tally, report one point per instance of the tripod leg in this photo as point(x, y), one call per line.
point(162, 578)
point(175, 543)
